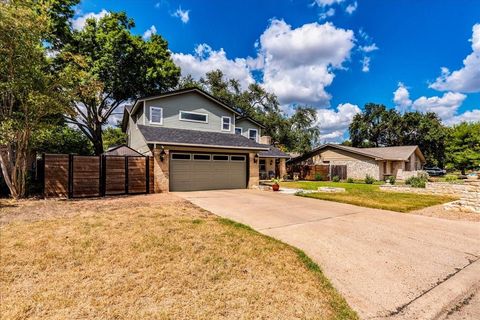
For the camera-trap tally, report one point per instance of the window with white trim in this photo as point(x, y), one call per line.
point(238, 130)
point(253, 134)
point(226, 123)
point(193, 116)
point(156, 115)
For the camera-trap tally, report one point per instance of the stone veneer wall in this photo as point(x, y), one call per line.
point(469, 193)
point(358, 169)
point(254, 171)
point(161, 171)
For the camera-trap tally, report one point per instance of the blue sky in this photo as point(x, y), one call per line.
point(336, 55)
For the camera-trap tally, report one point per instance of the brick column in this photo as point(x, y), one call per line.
point(161, 171)
point(254, 168)
point(282, 167)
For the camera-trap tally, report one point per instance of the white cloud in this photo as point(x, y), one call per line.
point(298, 63)
point(182, 15)
point(351, 7)
point(445, 106)
point(324, 15)
point(467, 116)
point(206, 59)
point(334, 124)
point(368, 48)
point(149, 32)
point(79, 22)
point(466, 79)
point(326, 3)
point(366, 64)
point(401, 98)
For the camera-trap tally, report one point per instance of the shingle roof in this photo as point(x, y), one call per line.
point(183, 137)
point(379, 153)
point(273, 153)
point(121, 150)
point(391, 153)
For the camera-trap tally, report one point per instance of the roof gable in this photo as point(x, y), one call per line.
point(185, 91)
point(399, 153)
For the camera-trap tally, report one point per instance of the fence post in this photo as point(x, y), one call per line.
point(147, 170)
point(70, 176)
point(43, 174)
point(126, 175)
point(103, 174)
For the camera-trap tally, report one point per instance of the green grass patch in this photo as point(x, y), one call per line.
point(370, 196)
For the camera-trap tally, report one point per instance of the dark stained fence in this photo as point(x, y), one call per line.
point(312, 172)
point(93, 176)
point(55, 173)
point(85, 176)
point(340, 171)
point(114, 175)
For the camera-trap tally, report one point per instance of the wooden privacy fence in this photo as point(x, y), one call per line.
point(75, 176)
point(324, 171)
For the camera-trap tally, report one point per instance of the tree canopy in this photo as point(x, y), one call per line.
point(108, 65)
point(378, 126)
point(463, 147)
point(30, 93)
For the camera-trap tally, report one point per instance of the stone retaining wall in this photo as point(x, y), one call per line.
point(469, 193)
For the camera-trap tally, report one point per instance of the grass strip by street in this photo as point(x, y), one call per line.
point(153, 256)
point(367, 195)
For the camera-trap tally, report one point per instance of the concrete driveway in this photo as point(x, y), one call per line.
point(386, 264)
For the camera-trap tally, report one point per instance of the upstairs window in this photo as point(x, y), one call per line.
point(226, 123)
point(238, 130)
point(156, 115)
point(253, 134)
point(193, 116)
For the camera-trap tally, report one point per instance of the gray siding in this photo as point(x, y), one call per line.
point(135, 138)
point(246, 124)
point(189, 102)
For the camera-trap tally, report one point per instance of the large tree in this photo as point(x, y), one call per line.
point(463, 147)
point(110, 66)
point(30, 93)
point(378, 126)
point(298, 132)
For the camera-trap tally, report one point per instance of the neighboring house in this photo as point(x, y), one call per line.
point(378, 162)
point(122, 150)
point(199, 142)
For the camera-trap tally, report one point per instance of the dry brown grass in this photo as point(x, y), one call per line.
point(153, 256)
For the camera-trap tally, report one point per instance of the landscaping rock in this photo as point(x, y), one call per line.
point(331, 189)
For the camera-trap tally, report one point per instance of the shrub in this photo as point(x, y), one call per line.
point(336, 179)
point(391, 180)
point(369, 179)
point(350, 180)
point(318, 177)
point(417, 182)
point(451, 178)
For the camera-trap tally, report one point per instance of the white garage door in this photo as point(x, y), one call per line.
point(205, 171)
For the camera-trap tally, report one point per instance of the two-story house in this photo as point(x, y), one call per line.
point(200, 143)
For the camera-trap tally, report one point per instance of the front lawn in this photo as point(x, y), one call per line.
point(151, 257)
point(367, 195)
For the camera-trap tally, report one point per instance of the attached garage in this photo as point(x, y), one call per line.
point(207, 171)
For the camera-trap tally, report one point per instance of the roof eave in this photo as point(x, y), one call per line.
point(165, 143)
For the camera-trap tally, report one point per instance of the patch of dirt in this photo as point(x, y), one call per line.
point(439, 212)
point(150, 257)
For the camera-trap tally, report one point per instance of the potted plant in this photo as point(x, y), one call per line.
point(275, 185)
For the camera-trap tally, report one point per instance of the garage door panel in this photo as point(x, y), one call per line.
point(189, 175)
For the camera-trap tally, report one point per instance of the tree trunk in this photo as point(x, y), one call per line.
point(98, 140)
point(14, 165)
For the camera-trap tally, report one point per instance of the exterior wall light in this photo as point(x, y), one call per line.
point(162, 154)
point(255, 159)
